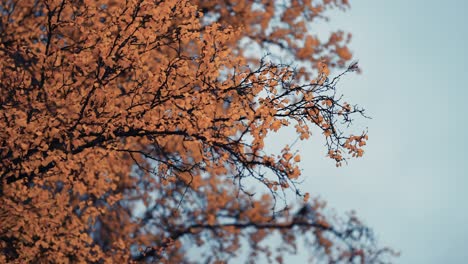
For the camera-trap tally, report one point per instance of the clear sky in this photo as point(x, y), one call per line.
point(411, 184)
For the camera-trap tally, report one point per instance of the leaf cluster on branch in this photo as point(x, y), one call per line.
point(132, 130)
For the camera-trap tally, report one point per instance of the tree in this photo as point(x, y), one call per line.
point(134, 130)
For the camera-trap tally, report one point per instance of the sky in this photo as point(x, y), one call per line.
point(410, 184)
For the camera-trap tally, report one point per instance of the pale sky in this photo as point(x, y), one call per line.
point(410, 186)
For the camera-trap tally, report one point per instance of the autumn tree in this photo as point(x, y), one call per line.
point(134, 131)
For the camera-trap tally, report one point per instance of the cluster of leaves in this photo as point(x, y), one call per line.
point(128, 130)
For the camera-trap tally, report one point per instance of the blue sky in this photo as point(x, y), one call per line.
point(411, 184)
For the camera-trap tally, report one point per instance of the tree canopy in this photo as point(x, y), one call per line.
point(135, 131)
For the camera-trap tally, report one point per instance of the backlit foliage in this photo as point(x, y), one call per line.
point(133, 130)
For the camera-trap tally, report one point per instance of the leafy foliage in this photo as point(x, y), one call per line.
point(130, 130)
